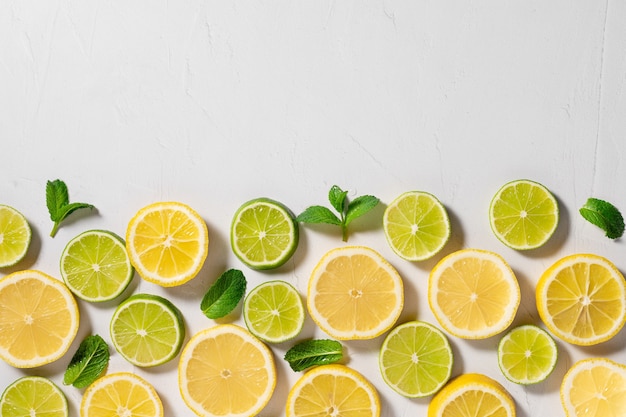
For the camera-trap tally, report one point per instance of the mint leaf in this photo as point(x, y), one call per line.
point(88, 363)
point(224, 294)
point(58, 203)
point(359, 206)
point(313, 353)
point(318, 214)
point(604, 215)
point(337, 198)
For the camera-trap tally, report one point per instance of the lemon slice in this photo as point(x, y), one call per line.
point(354, 293)
point(15, 235)
point(33, 396)
point(38, 319)
point(581, 299)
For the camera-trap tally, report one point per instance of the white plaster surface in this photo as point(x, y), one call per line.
point(213, 103)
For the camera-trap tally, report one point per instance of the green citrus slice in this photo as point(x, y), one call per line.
point(263, 234)
point(416, 225)
point(274, 312)
point(15, 235)
point(527, 354)
point(95, 266)
point(147, 330)
point(33, 396)
point(523, 214)
point(416, 359)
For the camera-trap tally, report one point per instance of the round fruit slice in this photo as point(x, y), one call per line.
point(147, 330)
point(354, 293)
point(167, 243)
point(416, 225)
point(263, 234)
point(473, 293)
point(527, 355)
point(472, 395)
point(274, 312)
point(121, 394)
point(226, 371)
point(95, 266)
point(333, 390)
point(582, 299)
point(523, 214)
point(15, 235)
point(594, 387)
point(33, 396)
point(416, 359)
point(38, 319)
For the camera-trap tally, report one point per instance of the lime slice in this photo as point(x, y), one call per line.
point(95, 266)
point(274, 312)
point(416, 225)
point(33, 396)
point(416, 359)
point(527, 354)
point(263, 234)
point(15, 236)
point(523, 214)
point(147, 330)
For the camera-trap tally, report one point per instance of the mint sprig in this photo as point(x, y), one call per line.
point(604, 215)
point(88, 363)
point(224, 295)
point(347, 210)
point(313, 353)
point(58, 202)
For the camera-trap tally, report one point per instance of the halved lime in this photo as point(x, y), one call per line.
point(147, 330)
point(33, 396)
point(263, 233)
point(95, 266)
point(527, 354)
point(416, 359)
point(416, 225)
point(274, 312)
point(523, 214)
point(15, 235)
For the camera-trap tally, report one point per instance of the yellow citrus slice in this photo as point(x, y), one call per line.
point(167, 243)
point(581, 299)
point(15, 235)
point(38, 319)
point(226, 371)
point(594, 387)
point(473, 293)
point(472, 395)
point(121, 394)
point(354, 293)
point(333, 390)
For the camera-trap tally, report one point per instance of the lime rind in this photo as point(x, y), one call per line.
point(30, 393)
point(14, 238)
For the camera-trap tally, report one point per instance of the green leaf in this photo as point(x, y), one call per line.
point(359, 206)
point(57, 197)
point(604, 215)
point(318, 214)
point(224, 294)
point(313, 353)
point(337, 198)
point(88, 363)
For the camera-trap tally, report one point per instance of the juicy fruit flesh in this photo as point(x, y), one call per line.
point(598, 391)
point(527, 354)
point(121, 395)
point(274, 312)
point(33, 393)
point(15, 235)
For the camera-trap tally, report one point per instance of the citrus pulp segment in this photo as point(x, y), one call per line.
point(472, 395)
point(95, 266)
point(264, 233)
point(33, 396)
point(354, 293)
point(473, 293)
point(121, 394)
point(147, 330)
point(167, 243)
point(581, 299)
point(523, 214)
point(15, 236)
point(416, 225)
point(38, 319)
point(226, 371)
point(333, 390)
point(594, 387)
point(273, 311)
point(527, 354)
point(416, 359)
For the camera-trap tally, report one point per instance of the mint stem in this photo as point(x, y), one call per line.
point(54, 229)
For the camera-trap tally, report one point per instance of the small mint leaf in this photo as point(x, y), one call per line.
point(604, 215)
point(56, 198)
point(359, 206)
point(318, 214)
point(224, 294)
point(337, 198)
point(313, 353)
point(88, 363)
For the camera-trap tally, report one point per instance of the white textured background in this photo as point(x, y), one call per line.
point(214, 103)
